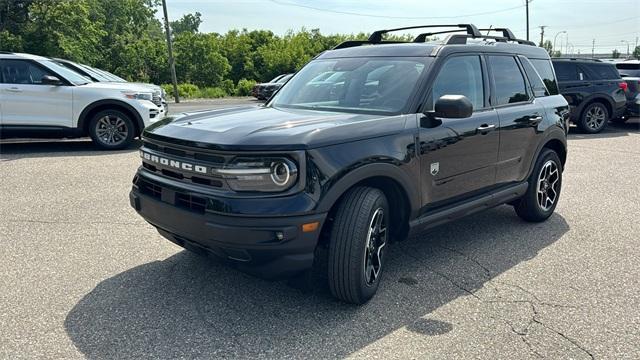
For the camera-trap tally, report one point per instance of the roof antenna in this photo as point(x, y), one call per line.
point(489, 29)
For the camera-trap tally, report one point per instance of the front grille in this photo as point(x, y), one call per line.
point(191, 202)
point(150, 189)
point(185, 201)
point(184, 155)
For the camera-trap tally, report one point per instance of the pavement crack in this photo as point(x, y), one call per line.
point(468, 257)
point(453, 282)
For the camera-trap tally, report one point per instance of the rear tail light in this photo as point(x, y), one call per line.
point(623, 85)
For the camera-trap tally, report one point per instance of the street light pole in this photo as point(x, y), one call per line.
point(556, 38)
point(625, 41)
point(172, 63)
point(527, 1)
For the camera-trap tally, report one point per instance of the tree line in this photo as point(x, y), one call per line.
point(125, 37)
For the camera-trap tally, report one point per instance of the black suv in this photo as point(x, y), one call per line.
point(325, 175)
point(595, 92)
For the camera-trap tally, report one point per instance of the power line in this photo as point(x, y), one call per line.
point(282, 3)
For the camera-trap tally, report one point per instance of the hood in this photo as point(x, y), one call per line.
point(116, 86)
point(254, 128)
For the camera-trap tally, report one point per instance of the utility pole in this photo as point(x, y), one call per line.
point(593, 48)
point(527, 1)
point(172, 63)
point(542, 34)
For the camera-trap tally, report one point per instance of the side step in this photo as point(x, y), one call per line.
point(442, 216)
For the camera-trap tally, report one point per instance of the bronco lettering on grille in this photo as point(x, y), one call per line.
point(173, 163)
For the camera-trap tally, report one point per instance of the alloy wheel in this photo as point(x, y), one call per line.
point(112, 130)
point(376, 241)
point(547, 188)
point(595, 117)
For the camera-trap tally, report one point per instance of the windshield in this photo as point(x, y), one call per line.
point(110, 76)
point(361, 85)
point(284, 79)
point(71, 76)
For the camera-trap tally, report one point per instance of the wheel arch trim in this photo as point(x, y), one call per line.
point(370, 171)
point(83, 119)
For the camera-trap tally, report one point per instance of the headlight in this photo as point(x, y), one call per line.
point(138, 96)
point(262, 175)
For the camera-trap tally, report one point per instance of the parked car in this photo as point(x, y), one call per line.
point(41, 98)
point(98, 75)
point(629, 68)
point(595, 92)
point(630, 72)
point(323, 181)
point(269, 89)
point(263, 91)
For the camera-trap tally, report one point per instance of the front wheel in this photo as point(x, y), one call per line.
point(112, 130)
point(543, 193)
point(358, 244)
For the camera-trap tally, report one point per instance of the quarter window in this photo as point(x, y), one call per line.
point(539, 88)
point(510, 86)
point(545, 70)
point(460, 75)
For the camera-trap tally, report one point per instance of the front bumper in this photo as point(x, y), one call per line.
point(269, 247)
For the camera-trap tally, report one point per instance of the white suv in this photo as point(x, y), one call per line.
point(39, 97)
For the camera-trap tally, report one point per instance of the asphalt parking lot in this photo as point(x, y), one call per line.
point(83, 276)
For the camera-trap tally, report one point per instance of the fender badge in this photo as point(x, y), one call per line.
point(435, 168)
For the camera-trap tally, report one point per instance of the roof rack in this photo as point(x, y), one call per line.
point(472, 32)
point(376, 36)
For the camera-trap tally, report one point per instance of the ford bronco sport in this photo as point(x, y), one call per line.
point(326, 174)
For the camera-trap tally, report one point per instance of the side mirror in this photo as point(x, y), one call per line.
point(453, 106)
point(50, 80)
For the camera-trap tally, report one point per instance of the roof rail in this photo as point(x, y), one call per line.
point(577, 59)
point(376, 36)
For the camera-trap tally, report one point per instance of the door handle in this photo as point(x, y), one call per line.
point(485, 128)
point(14, 89)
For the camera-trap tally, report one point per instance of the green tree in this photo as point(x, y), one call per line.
point(62, 28)
point(199, 59)
point(187, 23)
point(615, 54)
point(636, 52)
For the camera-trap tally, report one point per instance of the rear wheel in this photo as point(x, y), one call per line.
point(112, 130)
point(543, 193)
point(358, 244)
point(594, 118)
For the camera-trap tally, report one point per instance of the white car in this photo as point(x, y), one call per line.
point(39, 97)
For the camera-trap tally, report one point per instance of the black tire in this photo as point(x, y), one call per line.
point(119, 136)
point(348, 249)
point(594, 118)
point(529, 207)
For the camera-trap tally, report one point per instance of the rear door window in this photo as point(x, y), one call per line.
point(566, 71)
point(508, 80)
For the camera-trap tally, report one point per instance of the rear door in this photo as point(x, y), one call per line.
point(574, 83)
point(28, 102)
point(458, 156)
point(519, 114)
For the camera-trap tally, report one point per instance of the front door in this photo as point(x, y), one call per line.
point(28, 102)
point(458, 156)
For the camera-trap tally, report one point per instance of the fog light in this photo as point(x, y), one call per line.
point(279, 235)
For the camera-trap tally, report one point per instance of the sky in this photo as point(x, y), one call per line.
point(612, 23)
